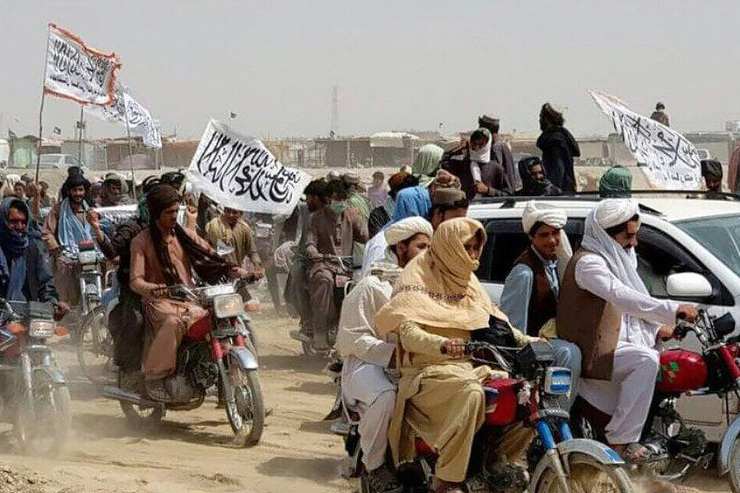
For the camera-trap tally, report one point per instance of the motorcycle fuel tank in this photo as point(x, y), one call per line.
point(681, 371)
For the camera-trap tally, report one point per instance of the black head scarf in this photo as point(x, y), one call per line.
point(532, 187)
point(711, 167)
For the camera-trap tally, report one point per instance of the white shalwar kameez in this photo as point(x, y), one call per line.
point(627, 396)
point(365, 386)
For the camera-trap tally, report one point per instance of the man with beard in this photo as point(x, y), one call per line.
point(534, 180)
point(232, 230)
point(367, 357)
point(605, 309)
point(65, 228)
point(114, 191)
point(559, 148)
point(162, 255)
point(472, 164)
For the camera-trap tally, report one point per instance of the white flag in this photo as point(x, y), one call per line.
point(77, 72)
point(672, 162)
point(241, 173)
point(140, 121)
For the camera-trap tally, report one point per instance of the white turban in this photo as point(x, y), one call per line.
point(543, 212)
point(407, 228)
point(613, 212)
point(554, 217)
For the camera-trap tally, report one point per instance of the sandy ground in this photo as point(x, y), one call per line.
point(193, 451)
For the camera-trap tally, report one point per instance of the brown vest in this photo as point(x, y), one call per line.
point(542, 303)
point(589, 322)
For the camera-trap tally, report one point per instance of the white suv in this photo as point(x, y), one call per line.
point(678, 236)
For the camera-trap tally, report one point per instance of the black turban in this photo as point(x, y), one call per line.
point(711, 167)
point(160, 198)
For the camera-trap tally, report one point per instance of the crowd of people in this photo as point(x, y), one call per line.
point(402, 328)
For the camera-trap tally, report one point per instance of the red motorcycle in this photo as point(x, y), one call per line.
point(676, 448)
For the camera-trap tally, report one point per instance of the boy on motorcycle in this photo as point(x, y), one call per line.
point(162, 255)
point(606, 310)
point(365, 385)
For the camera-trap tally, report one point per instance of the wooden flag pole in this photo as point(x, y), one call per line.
point(130, 148)
point(41, 109)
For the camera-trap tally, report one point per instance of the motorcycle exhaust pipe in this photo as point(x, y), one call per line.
point(122, 395)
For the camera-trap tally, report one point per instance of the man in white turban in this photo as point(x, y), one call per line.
point(606, 310)
point(367, 358)
point(530, 295)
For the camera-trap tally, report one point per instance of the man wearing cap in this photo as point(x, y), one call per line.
point(711, 171)
point(530, 296)
point(660, 116)
point(114, 191)
point(606, 310)
point(367, 357)
point(500, 152)
point(559, 148)
point(447, 203)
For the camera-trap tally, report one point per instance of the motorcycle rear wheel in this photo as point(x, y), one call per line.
point(32, 432)
point(138, 416)
point(95, 347)
point(595, 474)
point(735, 467)
point(247, 414)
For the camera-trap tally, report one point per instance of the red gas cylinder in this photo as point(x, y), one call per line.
point(681, 371)
point(501, 401)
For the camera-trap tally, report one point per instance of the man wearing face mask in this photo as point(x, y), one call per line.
point(472, 164)
point(24, 275)
point(332, 229)
point(605, 309)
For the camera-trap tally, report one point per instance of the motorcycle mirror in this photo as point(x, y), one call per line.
point(688, 285)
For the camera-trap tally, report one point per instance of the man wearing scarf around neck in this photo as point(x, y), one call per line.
point(66, 226)
point(24, 275)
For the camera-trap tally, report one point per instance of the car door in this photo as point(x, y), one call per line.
point(659, 256)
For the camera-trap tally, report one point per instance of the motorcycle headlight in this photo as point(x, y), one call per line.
point(228, 305)
point(41, 329)
point(557, 381)
point(88, 257)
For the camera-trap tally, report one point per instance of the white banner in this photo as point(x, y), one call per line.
point(77, 72)
point(672, 162)
point(140, 121)
point(241, 173)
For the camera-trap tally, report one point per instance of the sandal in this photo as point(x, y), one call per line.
point(637, 454)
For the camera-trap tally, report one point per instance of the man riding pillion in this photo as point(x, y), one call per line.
point(162, 255)
point(606, 310)
point(530, 296)
point(24, 275)
point(367, 357)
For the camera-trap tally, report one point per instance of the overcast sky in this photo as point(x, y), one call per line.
point(407, 64)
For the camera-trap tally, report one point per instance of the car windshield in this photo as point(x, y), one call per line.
point(49, 158)
point(719, 235)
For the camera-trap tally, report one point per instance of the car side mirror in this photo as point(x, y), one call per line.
point(688, 285)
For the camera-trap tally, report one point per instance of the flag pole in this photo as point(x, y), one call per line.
point(130, 148)
point(41, 108)
point(82, 127)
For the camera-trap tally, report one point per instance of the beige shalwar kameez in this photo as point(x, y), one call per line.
point(169, 319)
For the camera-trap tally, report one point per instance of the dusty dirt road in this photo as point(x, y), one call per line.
point(193, 451)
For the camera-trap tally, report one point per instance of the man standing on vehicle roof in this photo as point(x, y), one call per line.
point(660, 116)
point(367, 357)
point(500, 152)
point(603, 299)
point(530, 296)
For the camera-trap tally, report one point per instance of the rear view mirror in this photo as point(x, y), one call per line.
point(688, 285)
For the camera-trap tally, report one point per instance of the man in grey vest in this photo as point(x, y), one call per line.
point(606, 310)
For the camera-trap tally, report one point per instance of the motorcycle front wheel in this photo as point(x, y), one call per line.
point(587, 476)
point(246, 410)
point(95, 347)
point(42, 423)
point(735, 467)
